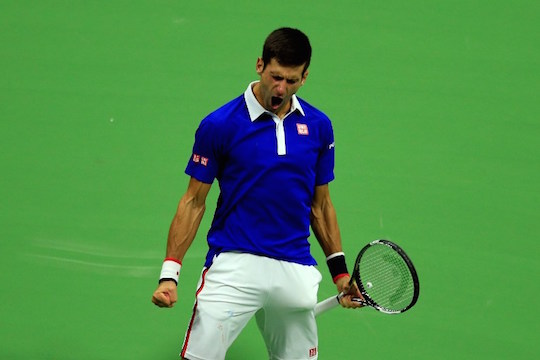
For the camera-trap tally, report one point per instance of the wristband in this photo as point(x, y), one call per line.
point(170, 270)
point(337, 265)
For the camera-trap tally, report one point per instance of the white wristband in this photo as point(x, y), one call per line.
point(170, 270)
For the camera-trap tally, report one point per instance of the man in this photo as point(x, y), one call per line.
point(273, 156)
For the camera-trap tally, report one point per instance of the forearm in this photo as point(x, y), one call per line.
point(184, 225)
point(183, 229)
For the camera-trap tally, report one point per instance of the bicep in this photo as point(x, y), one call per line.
point(321, 196)
point(321, 203)
point(324, 221)
point(197, 191)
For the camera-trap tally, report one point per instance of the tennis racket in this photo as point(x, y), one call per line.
point(385, 277)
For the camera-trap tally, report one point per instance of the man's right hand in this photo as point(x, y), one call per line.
point(165, 294)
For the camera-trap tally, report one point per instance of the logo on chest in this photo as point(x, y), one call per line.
point(302, 129)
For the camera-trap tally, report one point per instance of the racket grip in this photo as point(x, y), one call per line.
point(327, 304)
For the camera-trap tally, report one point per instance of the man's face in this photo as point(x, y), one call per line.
point(278, 84)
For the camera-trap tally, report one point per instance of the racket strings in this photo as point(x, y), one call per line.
point(386, 278)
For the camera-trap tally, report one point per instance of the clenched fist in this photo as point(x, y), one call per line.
point(165, 294)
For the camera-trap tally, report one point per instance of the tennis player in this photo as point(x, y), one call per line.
point(273, 156)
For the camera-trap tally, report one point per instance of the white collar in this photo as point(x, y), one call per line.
point(255, 109)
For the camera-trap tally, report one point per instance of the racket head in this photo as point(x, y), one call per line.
point(386, 277)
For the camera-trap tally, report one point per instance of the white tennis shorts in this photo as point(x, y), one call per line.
point(281, 295)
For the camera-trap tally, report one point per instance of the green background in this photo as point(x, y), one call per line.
point(435, 106)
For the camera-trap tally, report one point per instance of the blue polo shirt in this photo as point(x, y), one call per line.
point(267, 170)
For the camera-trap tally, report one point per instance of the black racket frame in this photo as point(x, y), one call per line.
point(367, 299)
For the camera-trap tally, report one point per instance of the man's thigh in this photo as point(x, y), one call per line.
point(228, 295)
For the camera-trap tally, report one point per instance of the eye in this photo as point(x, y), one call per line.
point(291, 82)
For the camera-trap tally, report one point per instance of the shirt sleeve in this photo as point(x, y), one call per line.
point(325, 163)
point(203, 164)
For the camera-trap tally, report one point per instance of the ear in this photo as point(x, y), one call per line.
point(304, 77)
point(259, 67)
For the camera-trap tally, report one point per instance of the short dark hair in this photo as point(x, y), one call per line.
point(290, 47)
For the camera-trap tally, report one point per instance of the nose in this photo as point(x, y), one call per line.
point(280, 88)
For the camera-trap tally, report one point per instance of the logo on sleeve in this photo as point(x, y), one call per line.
point(302, 129)
point(200, 159)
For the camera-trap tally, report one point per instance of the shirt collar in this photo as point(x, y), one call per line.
point(255, 109)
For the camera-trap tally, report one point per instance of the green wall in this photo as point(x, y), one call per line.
point(435, 106)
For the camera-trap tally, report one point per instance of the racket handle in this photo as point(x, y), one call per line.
point(327, 304)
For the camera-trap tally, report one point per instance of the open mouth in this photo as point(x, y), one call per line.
point(276, 101)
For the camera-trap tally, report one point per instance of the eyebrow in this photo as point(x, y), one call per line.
point(293, 79)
